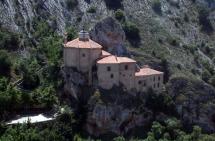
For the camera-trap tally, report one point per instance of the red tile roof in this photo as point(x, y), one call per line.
point(108, 60)
point(147, 72)
point(114, 59)
point(125, 60)
point(76, 43)
point(105, 53)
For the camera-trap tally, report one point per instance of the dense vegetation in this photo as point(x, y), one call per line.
point(64, 129)
point(30, 80)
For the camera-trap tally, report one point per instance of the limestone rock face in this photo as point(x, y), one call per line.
point(114, 118)
point(72, 80)
point(110, 35)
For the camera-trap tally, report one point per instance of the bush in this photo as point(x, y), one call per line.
point(206, 75)
point(92, 10)
point(212, 81)
point(3, 84)
point(156, 6)
point(132, 32)
point(160, 102)
point(42, 29)
point(5, 63)
point(119, 15)
point(30, 80)
point(29, 71)
point(10, 99)
point(9, 40)
point(71, 4)
point(51, 48)
point(46, 95)
point(71, 33)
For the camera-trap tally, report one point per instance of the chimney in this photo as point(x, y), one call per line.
point(65, 37)
point(84, 35)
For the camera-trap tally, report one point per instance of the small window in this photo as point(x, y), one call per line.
point(108, 68)
point(111, 76)
point(126, 67)
point(83, 55)
point(154, 78)
point(158, 85)
point(159, 78)
point(140, 82)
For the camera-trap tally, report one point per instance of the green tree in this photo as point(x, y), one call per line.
point(119, 15)
point(212, 80)
point(5, 63)
point(9, 40)
point(3, 83)
point(206, 75)
point(119, 139)
point(157, 129)
point(42, 29)
point(150, 137)
point(51, 48)
point(197, 133)
point(132, 33)
point(45, 96)
point(29, 68)
point(71, 33)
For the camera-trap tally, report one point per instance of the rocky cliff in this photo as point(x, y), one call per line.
point(167, 27)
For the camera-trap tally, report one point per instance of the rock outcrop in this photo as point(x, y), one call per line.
point(72, 80)
point(110, 35)
point(114, 118)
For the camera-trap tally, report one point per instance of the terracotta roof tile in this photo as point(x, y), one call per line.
point(108, 60)
point(76, 43)
point(105, 53)
point(125, 60)
point(114, 59)
point(147, 72)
